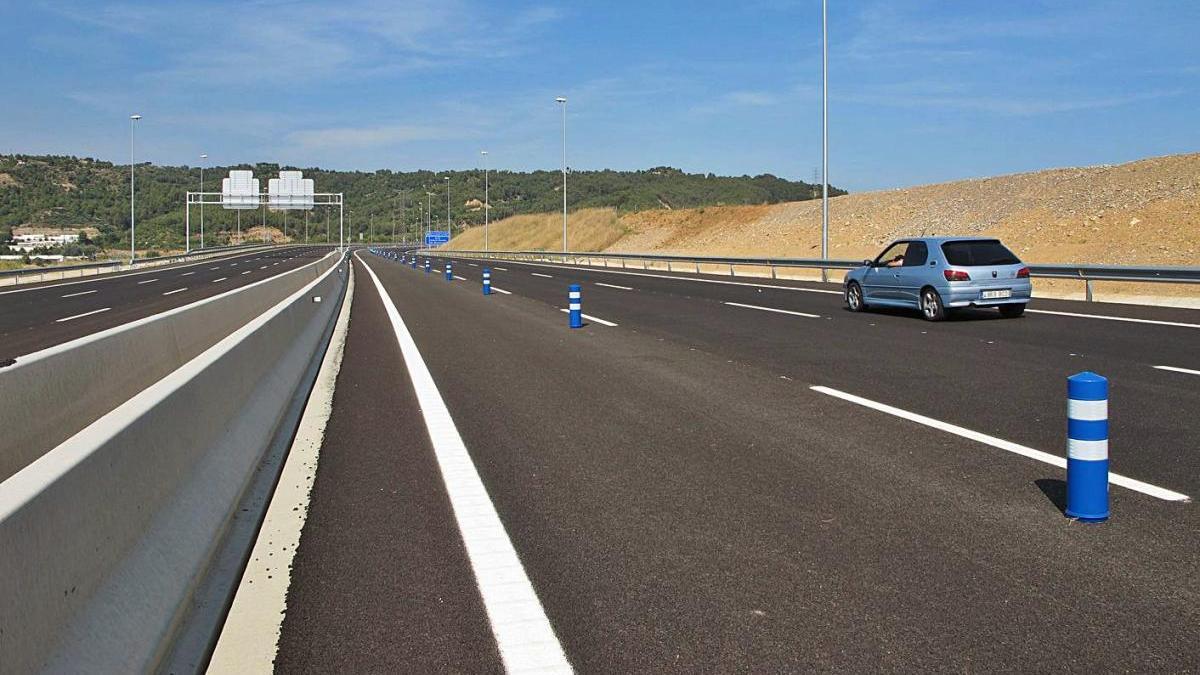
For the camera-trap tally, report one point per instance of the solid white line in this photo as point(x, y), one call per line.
point(523, 632)
point(221, 279)
point(1055, 460)
point(148, 281)
point(547, 276)
point(1173, 369)
point(501, 290)
point(1116, 318)
point(78, 316)
point(772, 309)
point(177, 290)
point(72, 295)
point(460, 278)
point(589, 317)
point(623, 288)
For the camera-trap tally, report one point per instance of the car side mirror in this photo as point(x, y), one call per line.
point(868, 263)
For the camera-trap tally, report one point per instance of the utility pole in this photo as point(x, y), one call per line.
point(824, 136)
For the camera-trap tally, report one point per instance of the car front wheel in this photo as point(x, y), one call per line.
point(931, 305)
point(854, 298)
point(1011, 311)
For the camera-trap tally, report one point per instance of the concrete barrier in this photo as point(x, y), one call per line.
point(104, 538)
point(49, 395)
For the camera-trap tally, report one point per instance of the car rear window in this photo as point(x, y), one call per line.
point(978, 253)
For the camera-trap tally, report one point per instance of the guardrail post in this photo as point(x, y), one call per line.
point(773, 272)
point(1087, 289)
point(697, 267)
point(731, 269)
point(575, 306)
point(1087, 447)
point(449, 271)
point(669, 266)
point(487, 281)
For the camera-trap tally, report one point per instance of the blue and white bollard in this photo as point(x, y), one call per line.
point(487, 281)
point(575, 306)
point(427, 266)
point(413, 260)
point(449, 271)
point(1087, 447)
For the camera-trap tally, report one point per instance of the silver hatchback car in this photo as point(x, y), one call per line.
point(934, 274)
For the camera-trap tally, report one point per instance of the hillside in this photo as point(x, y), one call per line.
point(73, 193)
point(1144, 212)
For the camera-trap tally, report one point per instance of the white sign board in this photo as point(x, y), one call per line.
point(240, 190)
point(290, 191)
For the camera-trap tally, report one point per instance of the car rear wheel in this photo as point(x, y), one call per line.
point(854, 298)
point(1012, 311)
point(931, 305)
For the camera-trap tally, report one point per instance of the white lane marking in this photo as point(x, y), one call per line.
point(519, 623)
point(502, 269)
point(246, 272)
point(186, 273)
point(623, 288)
point(1024, 451)
point(214, 268)
point(537, 274)
point(772, 309)
point(589, 317)
point(221, 279)
point(1116, 318)
point(148, 281)
point(473, 265)
point(80, 316)
point(1173, 369)
point(233, 265)
point(104, 277)
point(274, 264)
point(460, 278)
point(501, 290)
point(177, 290)
point(263, 267)
point(73, 295)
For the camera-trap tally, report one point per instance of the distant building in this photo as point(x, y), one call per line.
point(29, 242)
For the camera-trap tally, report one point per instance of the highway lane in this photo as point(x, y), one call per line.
point(34, 318)
point(676, 508)
point(1005, 378)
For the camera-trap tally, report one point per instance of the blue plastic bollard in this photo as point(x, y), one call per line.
point(413, 260)
point(427, 266)
point(487, 281)
point(1087, 447)
point(575, 306)
point(449, 271)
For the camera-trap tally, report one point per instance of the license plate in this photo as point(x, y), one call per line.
point(996, 295)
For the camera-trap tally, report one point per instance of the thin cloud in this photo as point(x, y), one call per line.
point(363, 137)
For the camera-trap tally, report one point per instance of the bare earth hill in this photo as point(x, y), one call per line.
point(1144, 212)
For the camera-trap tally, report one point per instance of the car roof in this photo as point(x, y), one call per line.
point(944, 238)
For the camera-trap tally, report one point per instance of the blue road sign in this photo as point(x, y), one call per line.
point(437, 237)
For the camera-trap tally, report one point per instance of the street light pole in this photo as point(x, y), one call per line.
point(562, 100)
point(824, 137)
point(449, 226)
point(132, 214)
point(485, 200)
point(202, 158)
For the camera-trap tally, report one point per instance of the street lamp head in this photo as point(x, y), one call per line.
point(203, 156)
point(483, 152)
point(561, 99)
point(135, 117)
point(446, 177)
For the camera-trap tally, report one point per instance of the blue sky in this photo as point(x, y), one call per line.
point(920, 91)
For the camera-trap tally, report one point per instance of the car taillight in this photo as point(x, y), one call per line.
point(956, 275)
point(1023, 273)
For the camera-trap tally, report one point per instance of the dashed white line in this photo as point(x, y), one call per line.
point(79, 316)
point(501, 290)
point(1055, 460)
point(1187, 371)
point(523, 633)
point(274, 264)
point(772, 309)
point(473, 265)
point(177, 290)
point(1116, 318)
point(502, 269)
point(623, 288)
point(536, 274)
point(73, 295)
point(247, 272)
point(214, 268)
point(589, 317)
point(148, 281)
point(221, 279)
point(186, 273)
point(263, 267)
point(460, 278)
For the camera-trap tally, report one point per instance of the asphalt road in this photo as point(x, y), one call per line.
point(682, 500)
point(36, 317)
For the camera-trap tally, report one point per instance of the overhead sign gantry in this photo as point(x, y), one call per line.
point(241, 191)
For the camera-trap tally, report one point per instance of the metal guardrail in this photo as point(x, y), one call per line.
point(1085, 273)
point(49, 272)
